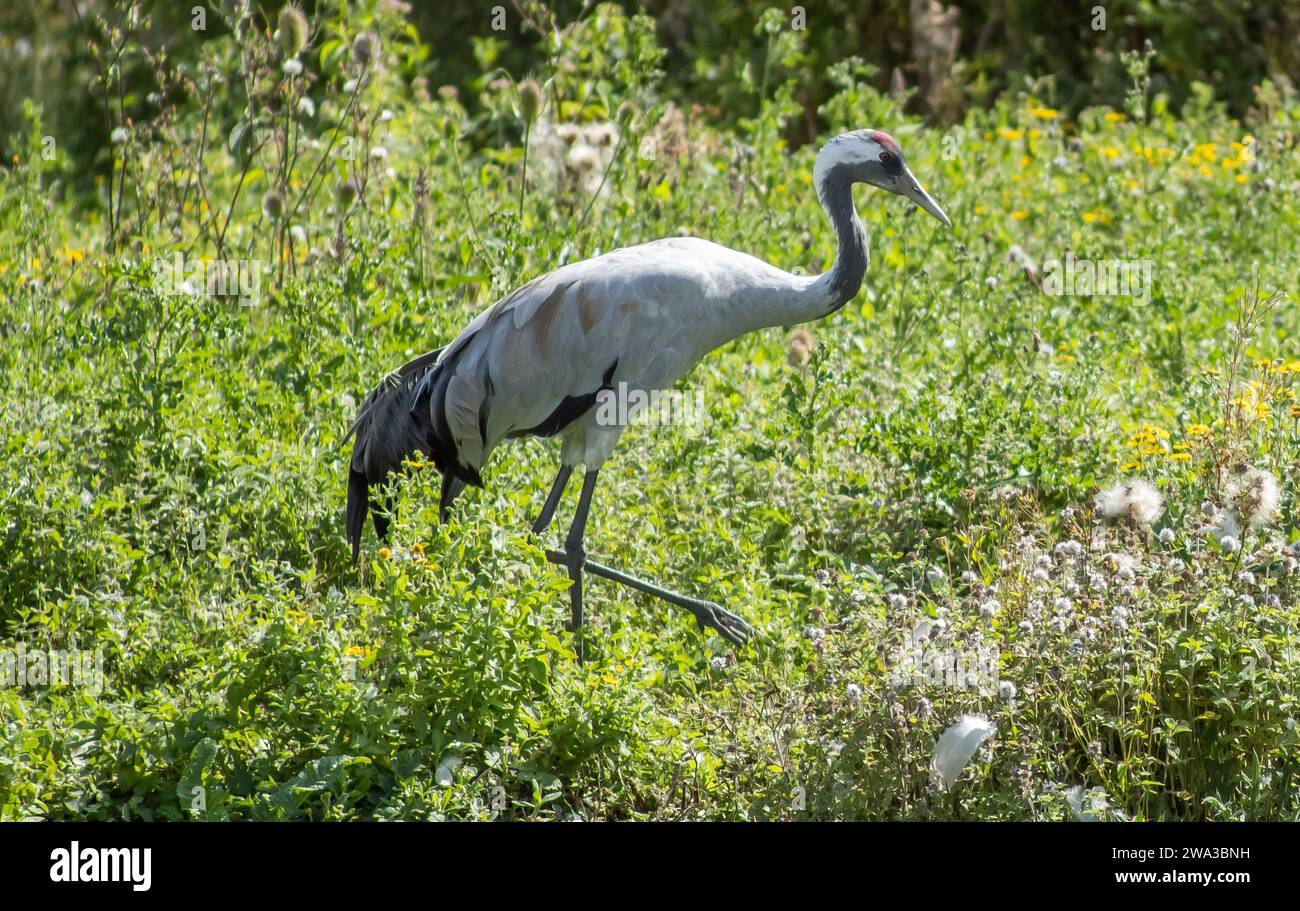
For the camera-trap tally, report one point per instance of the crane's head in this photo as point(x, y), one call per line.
point(874, 157)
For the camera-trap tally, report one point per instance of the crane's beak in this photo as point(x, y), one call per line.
point(907, 185)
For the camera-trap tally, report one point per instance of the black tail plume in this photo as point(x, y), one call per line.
point(389, 432)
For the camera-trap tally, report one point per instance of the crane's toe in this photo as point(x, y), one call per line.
point(728, 625)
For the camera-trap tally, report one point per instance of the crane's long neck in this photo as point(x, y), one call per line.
point(838, 286)
point(813, 298)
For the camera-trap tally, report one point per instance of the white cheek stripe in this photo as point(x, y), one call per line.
point(847, 148)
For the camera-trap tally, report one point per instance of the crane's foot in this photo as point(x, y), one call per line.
point(707, 613)
point(728, 625)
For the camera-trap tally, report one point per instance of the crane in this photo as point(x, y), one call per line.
point(535, 362)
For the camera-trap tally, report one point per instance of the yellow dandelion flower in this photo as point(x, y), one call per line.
point(1043, 113)
point(385, 553)
point(1009, 134)
point(1198, 430)
point(1115, 117)
point(1207, 151)
point(1241, 178)
point(1110, 152)
point(1020, 215)
point(1180, 457)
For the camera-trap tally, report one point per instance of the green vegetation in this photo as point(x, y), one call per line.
point(173, 475)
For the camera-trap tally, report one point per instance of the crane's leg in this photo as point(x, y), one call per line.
point(574, 559)
point(552, 500)
point(451, 488)
point(575, 556)
point(707, 613)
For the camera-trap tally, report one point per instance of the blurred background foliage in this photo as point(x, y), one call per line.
point(954, 54)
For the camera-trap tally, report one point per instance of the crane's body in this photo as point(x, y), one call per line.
point(640, 317)
point(637, 318)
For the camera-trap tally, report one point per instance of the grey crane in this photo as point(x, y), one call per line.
point(536, 361)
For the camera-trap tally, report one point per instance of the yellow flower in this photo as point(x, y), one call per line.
point(1198, 430)
point(1009, 134)
point(1180, 457)
point(385, 553)
point(1043, 113)
point(1206, 150)
point(417, 548)
point(73, 256)
point(360, 651)
point(1020, 215)
point(1115, 117)
point(1241, 178)
point(1295, 411)
point(1110, 152)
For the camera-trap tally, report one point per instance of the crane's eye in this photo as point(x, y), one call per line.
point(886, 157)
